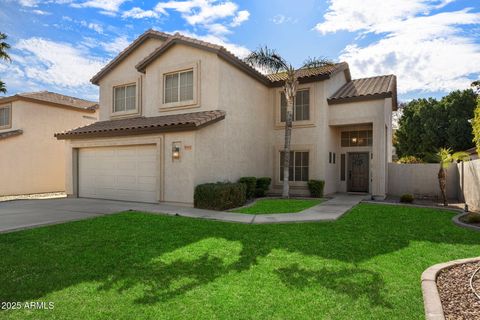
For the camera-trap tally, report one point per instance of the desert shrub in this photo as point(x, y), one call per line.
point(472, 217)
point(220, 195)
point(263, 184)
point(316, 188)
point(406, 198)
point(251, 184)
point(410, 160)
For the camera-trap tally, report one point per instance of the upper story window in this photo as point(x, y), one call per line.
point(125, 98)
point(301, 106)
point(362, 138)
point(5, 117)
point(178, 86)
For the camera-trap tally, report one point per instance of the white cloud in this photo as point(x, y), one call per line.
point(237, 50)
point(44, 61)
point(280, 19)
point(240, 18)
point(214, 15)
point(108, 7)
point(41, 12)
point(427, 51)
point(138, 13)
point(28, 3)
point(117, 45)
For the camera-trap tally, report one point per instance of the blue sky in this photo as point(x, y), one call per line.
point(433, 46)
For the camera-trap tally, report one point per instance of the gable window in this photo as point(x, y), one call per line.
point(125, 98)
point(178, 86)
point(5, 117)
point(299, 165)
point(301, 106)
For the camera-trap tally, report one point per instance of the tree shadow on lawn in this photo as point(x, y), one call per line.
point(117, 251)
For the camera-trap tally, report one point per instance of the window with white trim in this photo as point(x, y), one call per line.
point(299, 165)
point(301, 106)
point(125, 98)
point(5, 117)
point(178, 86)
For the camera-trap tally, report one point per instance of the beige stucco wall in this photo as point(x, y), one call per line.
point(34, 161)
point(471, 190)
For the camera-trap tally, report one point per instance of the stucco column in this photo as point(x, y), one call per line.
point(379, 160)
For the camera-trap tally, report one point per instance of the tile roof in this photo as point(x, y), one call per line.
point(366, 89)
point(325, 72)
point(53, 99)
point(143, 125)
point(8, 134)
point(221, 51)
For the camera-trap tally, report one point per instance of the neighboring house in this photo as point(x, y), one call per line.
point(32, 160)
point(176, 112)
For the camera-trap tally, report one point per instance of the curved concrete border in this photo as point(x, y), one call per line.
point(462, 224)
point(431, 298)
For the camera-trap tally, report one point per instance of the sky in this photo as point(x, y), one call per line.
point(432, 46)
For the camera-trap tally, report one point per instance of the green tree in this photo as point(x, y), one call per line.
point(4, 46)
point(476, 126)
point(427, 125)
point(271, 61)
point(446, 158)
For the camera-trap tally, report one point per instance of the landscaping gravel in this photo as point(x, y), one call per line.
point(458, 298)
point(50, 195)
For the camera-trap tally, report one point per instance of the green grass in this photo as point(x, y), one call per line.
point(367, 265)
point(266, 206)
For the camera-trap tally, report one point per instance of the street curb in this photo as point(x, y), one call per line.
point(431, 298)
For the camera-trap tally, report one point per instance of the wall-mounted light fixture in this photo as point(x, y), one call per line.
point(176, 150)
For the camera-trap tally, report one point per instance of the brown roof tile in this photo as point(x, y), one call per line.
point(366, 89)
point(55, 99)
point(143, 125)
point(8, 134)
point(316, 73)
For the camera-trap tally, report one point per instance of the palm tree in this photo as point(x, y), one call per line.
point(270, 61)
point(446, 158)
point(4, 46)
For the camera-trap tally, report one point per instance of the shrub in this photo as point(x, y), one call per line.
point(410, 160)
point(406, 198)
point(220, 195)
point(316, 188)
point(263, 185)
point(251, 183)
point(472, 217)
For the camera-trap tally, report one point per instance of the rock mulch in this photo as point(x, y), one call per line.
point(458, 299)
point(50, 195)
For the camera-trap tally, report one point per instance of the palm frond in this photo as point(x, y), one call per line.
point(4, 46)
point(268, 59)
point(461, 156)
point(314, 62)
point(3, 89)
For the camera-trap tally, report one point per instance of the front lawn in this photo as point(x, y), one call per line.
point(367, 265)
point(266, 206)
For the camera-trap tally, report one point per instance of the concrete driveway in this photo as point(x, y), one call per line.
point(23, 214)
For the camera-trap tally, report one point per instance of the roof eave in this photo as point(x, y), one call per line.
point(360, 98)
point(17, 97)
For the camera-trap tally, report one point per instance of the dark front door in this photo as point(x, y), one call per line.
point(358, 172)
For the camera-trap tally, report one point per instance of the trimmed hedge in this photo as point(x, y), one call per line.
point(316, 188)
point(263, 185)
point(220, 196)
point(251, 184)
point(407, 198)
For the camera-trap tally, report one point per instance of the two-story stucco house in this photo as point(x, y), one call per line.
point(31, 159)
point(176, 112)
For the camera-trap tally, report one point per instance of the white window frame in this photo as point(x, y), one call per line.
point(9, 124)
point(126, 112)
point(178, 86)
point(295, 124)
point(295, 106)
point(187, 104)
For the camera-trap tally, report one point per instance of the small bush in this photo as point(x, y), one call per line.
point(263, 184)
point(410, 160)
point(406, 198)
point(316, 188)
point(251, 183)
point(220, 195)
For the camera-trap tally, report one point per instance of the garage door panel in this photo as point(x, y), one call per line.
point(123, 173)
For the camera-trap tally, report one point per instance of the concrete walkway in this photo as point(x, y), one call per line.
point(23, 214)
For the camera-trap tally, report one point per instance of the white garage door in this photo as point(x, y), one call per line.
point(127, 173)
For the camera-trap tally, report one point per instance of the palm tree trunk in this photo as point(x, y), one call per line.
point(442, 181)
point(286, 149)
